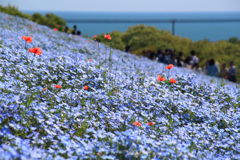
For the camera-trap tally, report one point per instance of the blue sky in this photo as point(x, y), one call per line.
point(127, 5)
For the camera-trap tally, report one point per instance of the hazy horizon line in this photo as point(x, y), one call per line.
point(134, 11)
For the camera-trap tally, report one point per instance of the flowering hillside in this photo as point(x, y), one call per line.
point(74, 99)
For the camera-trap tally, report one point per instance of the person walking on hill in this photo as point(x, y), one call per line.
point(232, 72)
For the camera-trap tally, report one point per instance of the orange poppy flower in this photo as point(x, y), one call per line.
point(90, 60)
point(88, 41)
point(27, 39)
point(161, 79)
point(116, 91)
point(96, 43)
point(99, 154)
point(58, 26)
point(58, 86)
point(137, 123)
point(86, 87)
point(75, 36)
point(44, 89)
point(173, 80)
point(94, 36)
point(37, 50)
point(107, 36)
point(55, 29)
point(169, 66)
point(150, 123)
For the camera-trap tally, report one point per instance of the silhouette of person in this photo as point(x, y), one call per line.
point(197, 68)
point(194, 58)
point(172, 59)
point(180, 59)
point(74, 32)
point(232, 72)
point(79, 33)
point(127, 48)
point(224, 71)
point(66, 29)
point(161, 56)
point(212, 69)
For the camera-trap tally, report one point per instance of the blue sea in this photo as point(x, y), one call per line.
point(212, 31)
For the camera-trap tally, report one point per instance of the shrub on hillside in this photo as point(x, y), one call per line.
point(49, 19)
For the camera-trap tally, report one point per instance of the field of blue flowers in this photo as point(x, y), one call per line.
point(198, 117)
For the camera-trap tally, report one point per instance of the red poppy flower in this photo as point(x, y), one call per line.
point(150, 123)
point(137, 123)
point(88, 41)
point(8, 17)
point(116, 91)
point(99, 154)
point(44, 89)
point(10, 37)
point(173, 80)
point(90, 60)
point(107, 36)
point(225, 77)
point(58, 26)
point(27, 39)
point(96, 43)
point(75, 36)
point(58, 86)
point(55, 29)
point(94, 36)
point(37, 50)
point(28, 26)
point(86, 87)
point(36, 28)
point(169, 66)
point(161, 79)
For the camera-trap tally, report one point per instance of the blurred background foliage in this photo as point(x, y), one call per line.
point(49, 19)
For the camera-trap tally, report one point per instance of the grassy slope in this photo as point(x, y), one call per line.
point(197, 117)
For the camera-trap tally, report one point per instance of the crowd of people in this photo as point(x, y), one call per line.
point(168, 56)
point(74, 31)
point(211, 67)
